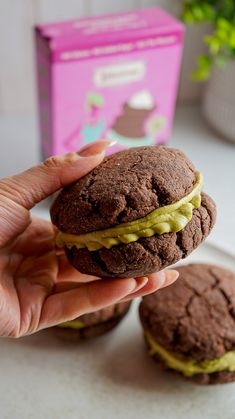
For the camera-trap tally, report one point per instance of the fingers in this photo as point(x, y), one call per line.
point(155, 282)
point(73, 299)
point(171, 277)
point(66, 272)
point(21, 192)
point(34, 185)
point(85, 298)
point(37, 239)
point(34, 282)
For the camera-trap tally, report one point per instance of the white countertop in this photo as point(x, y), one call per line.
point(214, 157)
point(112, 377)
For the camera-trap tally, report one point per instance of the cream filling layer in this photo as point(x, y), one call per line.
point(168, 219)
point(73, 324)
point(190, 367)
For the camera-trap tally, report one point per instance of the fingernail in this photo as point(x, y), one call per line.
point(171, 276)
point(95, 148)
point(161, 278)
point(140, 283)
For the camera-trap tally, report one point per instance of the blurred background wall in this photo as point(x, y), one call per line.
point(17, 18)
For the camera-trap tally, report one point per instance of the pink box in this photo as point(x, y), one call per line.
point(111, 77)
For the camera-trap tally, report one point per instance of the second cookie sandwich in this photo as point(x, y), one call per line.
point(189, 327)
point(93, 324)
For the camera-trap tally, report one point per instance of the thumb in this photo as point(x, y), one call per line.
point(21, 192)
point(35, 184)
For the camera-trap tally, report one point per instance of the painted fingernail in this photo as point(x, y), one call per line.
point(140, 283)
point(171, 276)
point(158, 279)
point(161, 278)
point(95, 148)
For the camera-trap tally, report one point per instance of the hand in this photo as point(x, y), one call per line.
point(38, 287)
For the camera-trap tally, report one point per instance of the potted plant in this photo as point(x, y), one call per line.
point(218, 65)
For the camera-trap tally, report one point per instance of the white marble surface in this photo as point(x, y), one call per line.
point(111, 377)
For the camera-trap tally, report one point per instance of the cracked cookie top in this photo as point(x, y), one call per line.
point(195, 317)
point(125, 187)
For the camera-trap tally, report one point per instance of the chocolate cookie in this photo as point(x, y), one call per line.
point(190, 326)
point(93, 324)
point(139, 211)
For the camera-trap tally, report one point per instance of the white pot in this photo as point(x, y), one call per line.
point(219, 101)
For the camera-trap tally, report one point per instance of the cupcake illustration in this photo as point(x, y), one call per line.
point(94, 126)
point(135, 127)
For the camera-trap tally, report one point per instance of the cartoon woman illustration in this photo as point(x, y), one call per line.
point(94, 126)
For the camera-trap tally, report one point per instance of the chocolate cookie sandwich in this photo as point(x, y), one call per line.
point(138, 212)
point(189, 327)
point(93, 324)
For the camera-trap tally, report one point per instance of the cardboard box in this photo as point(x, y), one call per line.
point(111, 77)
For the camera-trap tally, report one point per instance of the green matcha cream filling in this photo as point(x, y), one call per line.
point(73, 324)
point(168, 219)
point(190, 367)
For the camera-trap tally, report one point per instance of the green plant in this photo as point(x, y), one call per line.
point(221, 42)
